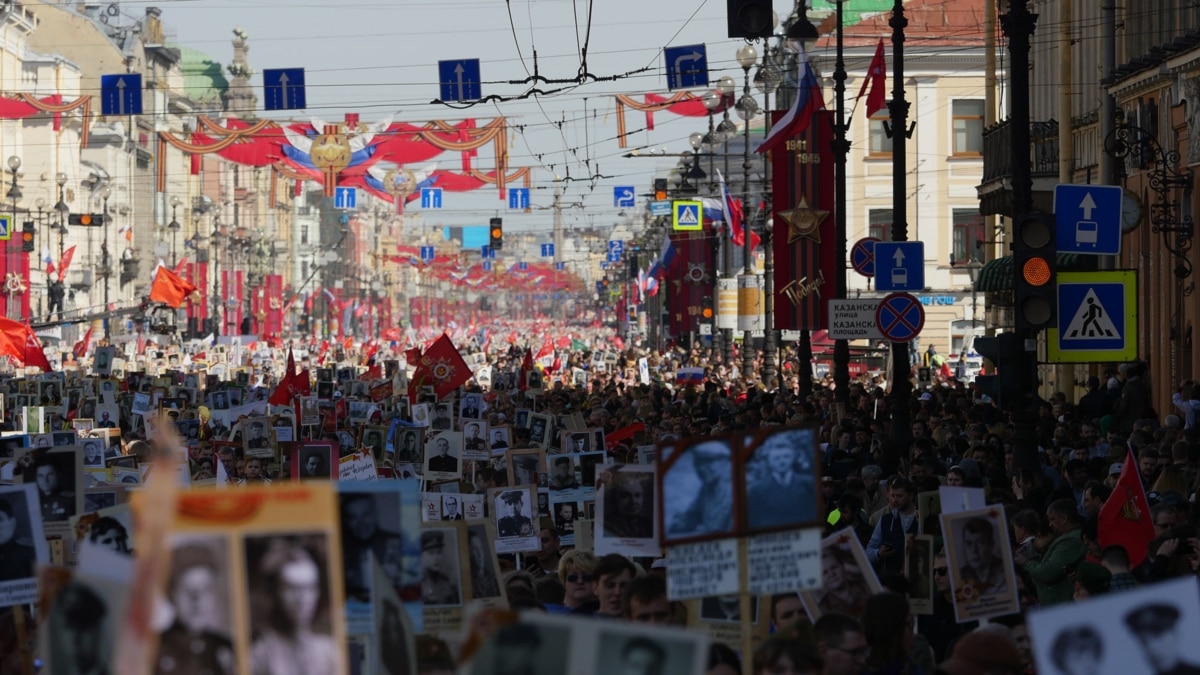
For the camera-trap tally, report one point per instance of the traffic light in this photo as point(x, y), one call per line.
point(496, 233)
point(28, 235)
point(1035, 293)
point(1008, 387)
point(706, 309)
point(86, 219)
point(660, 189)
point(749, 18)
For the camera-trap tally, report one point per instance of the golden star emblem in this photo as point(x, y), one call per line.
point(804, 221)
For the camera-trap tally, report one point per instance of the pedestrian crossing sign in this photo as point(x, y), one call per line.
point(5, 228)
point(686, 215)
point(1097, 318)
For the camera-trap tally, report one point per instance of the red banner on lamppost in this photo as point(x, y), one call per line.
point(803, 230)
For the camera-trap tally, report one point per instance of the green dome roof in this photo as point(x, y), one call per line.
point(203, 78)
point(854, 10)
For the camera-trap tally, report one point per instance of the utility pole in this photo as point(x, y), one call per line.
point(898, 107)
point(558, 223)
point(841, 152)
point(1019, 25)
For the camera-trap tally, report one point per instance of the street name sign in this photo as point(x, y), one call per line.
point(854, 319)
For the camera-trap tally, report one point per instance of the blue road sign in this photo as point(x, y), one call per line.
point(523, 266)
point(431, 198)
point(624, 196)
point(616, 246)
point(283, 89)
point(900, 317)
point(518, 198)
point(459, 80)
point(899, 266)
point(345, 198)
point(547, 250)
point(487, 253)
point(662, 208)
point(5, 229)
point(426, 254)
point(687, 66)
point(1097, 318)
point(613, 257)
point(862, 256)
point(487, 265)
point(121, 94)
point(1088, 219)
point(560, 266)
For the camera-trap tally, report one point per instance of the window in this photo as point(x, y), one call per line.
point(880, 142)
point(303, 234)
point(968, 126)
point(968, 232)
point(880, 221)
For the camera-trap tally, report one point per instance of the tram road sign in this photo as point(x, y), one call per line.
point(1097, 318)
point(899, 266)
point(900, 317)
point(1087, 219)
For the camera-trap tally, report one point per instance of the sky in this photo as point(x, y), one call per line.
point(379, 58)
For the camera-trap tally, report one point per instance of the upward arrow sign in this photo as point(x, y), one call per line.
point(283, 88)
point(458, 71)
point(121, 96)
point(898, 257)
point(1087, 205)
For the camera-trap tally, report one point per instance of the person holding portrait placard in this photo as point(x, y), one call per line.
point(625, 500)
point(983, 568)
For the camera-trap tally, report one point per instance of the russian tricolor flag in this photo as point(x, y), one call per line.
point(689, 376)
point(808, 101)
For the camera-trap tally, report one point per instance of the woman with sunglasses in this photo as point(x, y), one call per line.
point(940, 628)
point(576, 570)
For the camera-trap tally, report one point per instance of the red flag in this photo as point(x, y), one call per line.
point(442, 367)
point(546, 351)
point(526, 368)
point(292, 384)
point(18, 341)
point(181, 266)
point(1125, 517)
point(34, 355)
point(64, 262)
point(876, 78)
point(170, 288)
point(81, 348)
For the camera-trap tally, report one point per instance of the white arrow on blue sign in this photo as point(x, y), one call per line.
point(687, 66)
point(426, 253)
point(1087, 219)
point(624, 196)
point(283, 89)
point(899, 266)
point(616, 246)
point(547, 250)
point(614, 257)
point(560, 266)
point(345, 198)
point(487, 252)
point(523, 266)
point(487, 265)
point(431, 198)
point(121, 94)
point(460, 80)
point(518, 198)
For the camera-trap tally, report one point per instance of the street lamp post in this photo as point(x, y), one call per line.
point(841, 153)
point(973, 269)
point(63, 211)
point(725, 131)
point(174, 226)
point(14, 195)
point(767, 79)
point(747, 56)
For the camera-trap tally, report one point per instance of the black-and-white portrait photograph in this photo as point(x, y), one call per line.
point(1150, 629)
point(289, 591)
point(625, 510)
point(310, 412)
point(781, 481)
point(726, 609)
point(22, 543)
point(470, 407)
point(484, 568)
point(54, 473)
point(587, 470)
point(452, 507)
point(500, 439)
point(443, 454)
point(313, 461)
point(102, 360)
point(979, 556)
point(697, 491)
point(521, 418)
point(475, 440)
point(409, 444)
point(512, 512)
point(369, 521)
point(646, 650)
point(533, 382)
point(847, 578)
point(563, 473)
point(564, 515)
point(539, 429)
point(373, 440)
point(93, 452)
point(918, 569)
point(196, 637)
point(256, 437)
point(421, 415)
point(443, 417)
point(577, 442)
point(525, 467)
point(524, 649)
point(81, 628)
point(441, 584)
